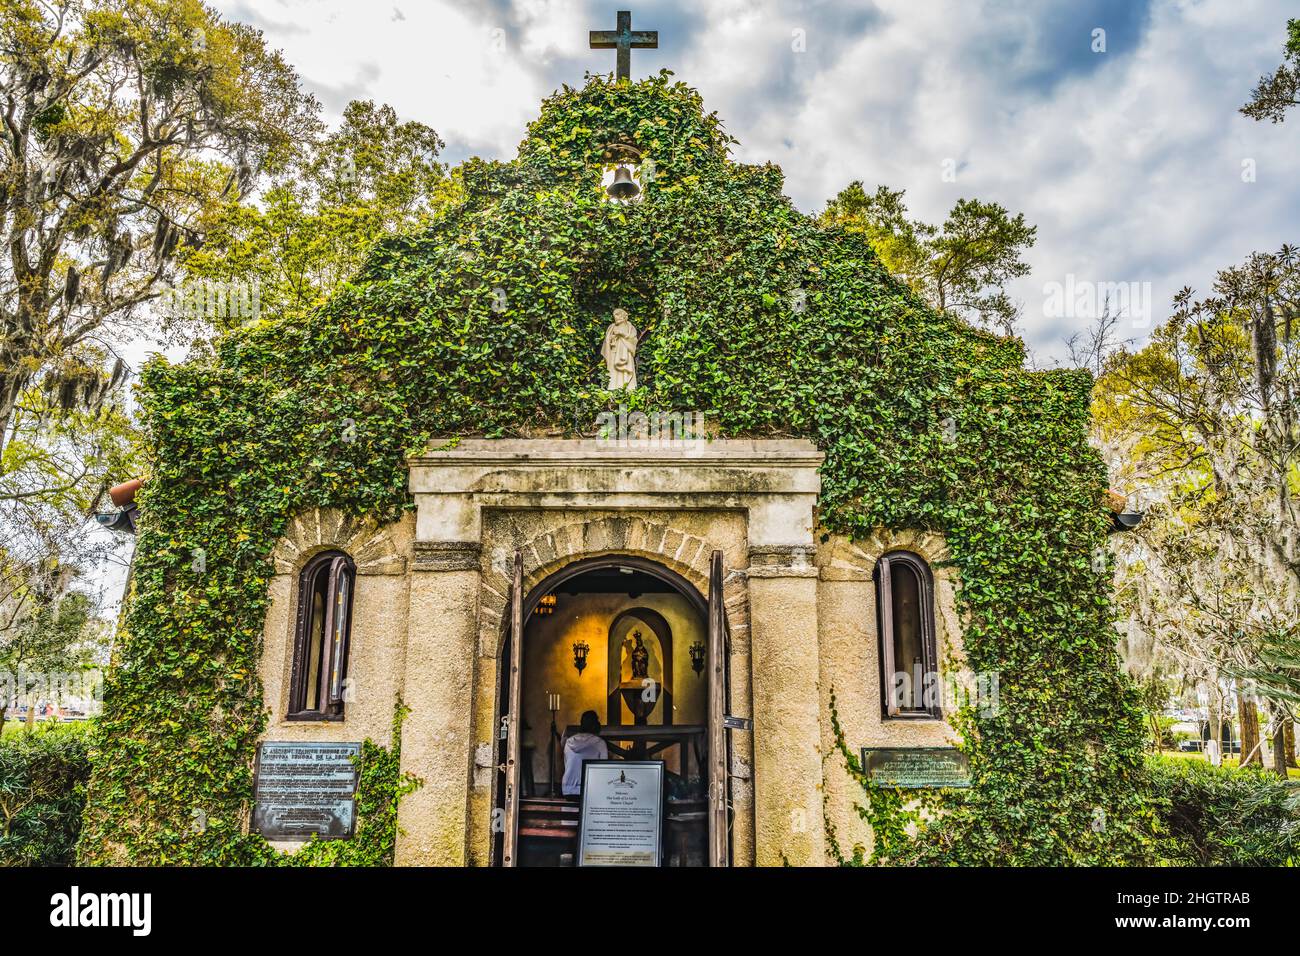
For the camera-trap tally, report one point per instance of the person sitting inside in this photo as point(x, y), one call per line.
point(584, 745)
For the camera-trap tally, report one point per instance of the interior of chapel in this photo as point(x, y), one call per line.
point(628, 644)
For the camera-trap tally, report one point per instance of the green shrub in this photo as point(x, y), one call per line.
point(1225, 816)
point(43, 776)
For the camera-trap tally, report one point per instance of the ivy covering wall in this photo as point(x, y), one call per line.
point(490, 323)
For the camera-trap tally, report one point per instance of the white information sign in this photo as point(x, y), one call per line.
point(622, 813)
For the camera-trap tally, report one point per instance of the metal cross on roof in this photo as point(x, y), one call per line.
point(624, 39)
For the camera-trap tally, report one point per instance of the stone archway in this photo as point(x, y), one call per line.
point(592, 600)
point(558, 500)
point(552, 549)
point(376, 548)
point(549, 542)
point(379, 552)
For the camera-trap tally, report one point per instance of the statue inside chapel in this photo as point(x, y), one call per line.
point(640, 658)
point(619, 352)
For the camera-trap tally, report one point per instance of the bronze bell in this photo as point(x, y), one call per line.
point(623, 186)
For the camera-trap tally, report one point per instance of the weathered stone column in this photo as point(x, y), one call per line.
point(785, 664)
point(442, 633)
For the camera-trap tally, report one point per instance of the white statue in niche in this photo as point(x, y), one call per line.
point(619, 352)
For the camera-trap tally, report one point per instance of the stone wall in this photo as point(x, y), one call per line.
point(376, 658)
point(377, 652)
point(430, 619)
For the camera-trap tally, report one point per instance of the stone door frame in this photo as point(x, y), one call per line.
point(562, 500)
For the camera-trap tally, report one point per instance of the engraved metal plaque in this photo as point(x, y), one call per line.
point(305, 788)
point(916, 768)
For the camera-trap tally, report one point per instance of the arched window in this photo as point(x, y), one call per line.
point(909, 660)
point(320, 650)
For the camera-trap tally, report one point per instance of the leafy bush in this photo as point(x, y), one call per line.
point(43, 776)
point(1225, 816)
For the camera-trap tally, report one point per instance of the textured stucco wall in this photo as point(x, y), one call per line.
point(442, 630)
point(377, 651)
point(850, 661)
point(376, 658)
point(787, 759)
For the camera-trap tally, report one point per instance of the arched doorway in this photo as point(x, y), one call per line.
point(638, 644)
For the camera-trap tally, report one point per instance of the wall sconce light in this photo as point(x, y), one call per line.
point(697, 657)
point(545, 606)
point(580, 649)
point(1123, 517)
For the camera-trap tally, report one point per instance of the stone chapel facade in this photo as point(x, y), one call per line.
point(431, 612)
point(695, 607)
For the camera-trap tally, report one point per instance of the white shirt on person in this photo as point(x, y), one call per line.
point(581, 746)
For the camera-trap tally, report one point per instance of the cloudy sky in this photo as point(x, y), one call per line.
point(1132, 160)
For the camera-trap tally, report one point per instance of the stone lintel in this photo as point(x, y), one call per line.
point(775, 480)
point(782, 561)
point(793, 452)
point(478, 466)
point(447, 555)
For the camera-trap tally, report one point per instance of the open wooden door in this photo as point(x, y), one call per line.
point(889, 667)
point(719, 745)
point(510, 820)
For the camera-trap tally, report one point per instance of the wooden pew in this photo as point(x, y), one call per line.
point(549, 818)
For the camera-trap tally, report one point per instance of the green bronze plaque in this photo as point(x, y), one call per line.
point(916, 768)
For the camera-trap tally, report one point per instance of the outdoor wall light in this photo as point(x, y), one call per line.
point(1123, 517)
